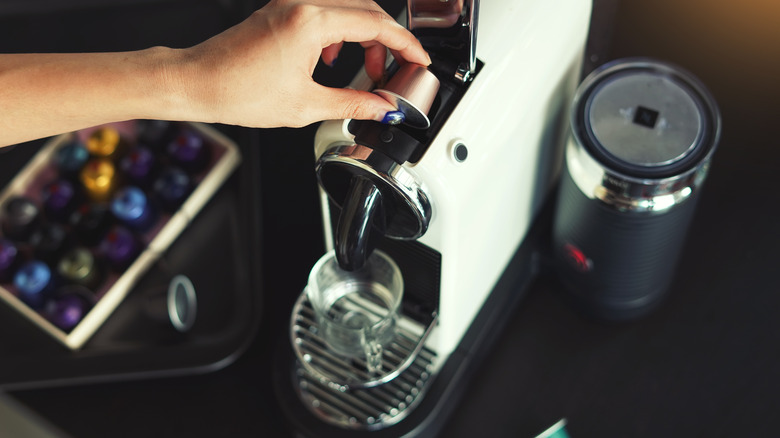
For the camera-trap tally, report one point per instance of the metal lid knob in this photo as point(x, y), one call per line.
point(646, 118)
point(412, 90)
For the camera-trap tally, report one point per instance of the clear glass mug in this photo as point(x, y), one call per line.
point(357, 311)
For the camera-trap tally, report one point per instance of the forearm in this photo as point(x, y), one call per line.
point(48, 94)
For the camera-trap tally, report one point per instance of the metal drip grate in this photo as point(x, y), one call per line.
point(369, 402)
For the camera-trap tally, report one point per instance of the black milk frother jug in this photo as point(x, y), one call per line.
point(643, 134)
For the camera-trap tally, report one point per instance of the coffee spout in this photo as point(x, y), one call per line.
point(353, 231)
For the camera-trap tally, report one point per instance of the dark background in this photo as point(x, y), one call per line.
point(704, 364)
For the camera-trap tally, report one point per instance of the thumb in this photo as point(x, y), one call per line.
point(346, 103)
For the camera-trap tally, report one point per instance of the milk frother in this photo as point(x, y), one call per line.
point(643, 133)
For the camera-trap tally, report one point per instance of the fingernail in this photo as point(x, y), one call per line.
point(393, 118)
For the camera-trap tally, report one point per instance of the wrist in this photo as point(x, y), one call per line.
point(177, 85)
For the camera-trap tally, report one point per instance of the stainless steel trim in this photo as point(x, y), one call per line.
point(395, 176)
point(472, 24)
point(448, 14)
point(629, 193)
point(624, 193)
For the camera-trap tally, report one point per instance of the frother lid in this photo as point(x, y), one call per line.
point(646, 118)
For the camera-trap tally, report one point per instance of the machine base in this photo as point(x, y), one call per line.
point(448, 385)
point(342, 392)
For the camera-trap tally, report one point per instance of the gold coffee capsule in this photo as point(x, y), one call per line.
point(99, 179)
point(105, 142)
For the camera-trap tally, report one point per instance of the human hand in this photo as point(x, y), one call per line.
point(259, 72)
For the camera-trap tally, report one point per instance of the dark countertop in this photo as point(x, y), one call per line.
point(703, 364)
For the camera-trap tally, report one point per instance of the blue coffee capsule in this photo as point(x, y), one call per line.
point(70, 158)
point(189, 151)
point(21, 217)
point(34, 282)
point(131, 206)
point(9, 259)
point(60, 198)
point(172, 188)
point(138, 166)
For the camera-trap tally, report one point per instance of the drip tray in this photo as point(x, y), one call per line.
point(369, 402)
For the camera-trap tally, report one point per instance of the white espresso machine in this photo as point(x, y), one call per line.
point(458, 210)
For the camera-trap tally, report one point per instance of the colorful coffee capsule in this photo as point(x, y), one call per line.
point(79, 266)
point(120, 247)
point(131, 206)
point(34, 282)
point(155, 133)
point(189, 151)
point(21, 217)
point(9, 259)
point(90, 222)
point(106, 142)
point(71, 158)
point(50, 241)
point(60, 198)
point(69, 305)
point(172, 188)
point(138, 166)
point(99, 179)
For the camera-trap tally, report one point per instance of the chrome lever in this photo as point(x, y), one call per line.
point(452, 23)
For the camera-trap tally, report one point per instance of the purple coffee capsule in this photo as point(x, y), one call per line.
point(70, 158)
point(172, 188)
point(131, 206)
point(9, 259)
point(138, 166)
point(120, 247)
point(189, 151)
point(59, 199)
point(34, 282)
point(21, 216)
point(90, 223)
point(69, 306)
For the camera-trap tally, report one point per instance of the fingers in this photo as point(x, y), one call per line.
point(331, 53)
point(370, 25)
point(342, 103)
point(375, 58)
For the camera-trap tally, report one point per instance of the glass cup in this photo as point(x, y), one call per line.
point(356, 311)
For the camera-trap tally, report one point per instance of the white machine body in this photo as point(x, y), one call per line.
point(512, 121)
